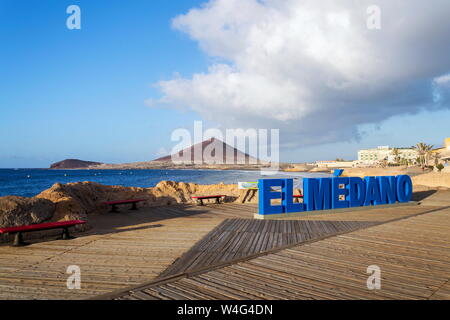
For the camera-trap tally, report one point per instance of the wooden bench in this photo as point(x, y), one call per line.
point(18, 239)
point(114, 204)
point(201, 198)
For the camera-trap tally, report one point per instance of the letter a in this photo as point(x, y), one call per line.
point(74, 280)
point(374, 280)
point(74, 20)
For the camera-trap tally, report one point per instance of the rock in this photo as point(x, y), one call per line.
point(180, 192)
point(77, 200)
point(18, 211)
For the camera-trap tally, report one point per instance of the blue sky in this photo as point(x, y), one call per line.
point(81, 93)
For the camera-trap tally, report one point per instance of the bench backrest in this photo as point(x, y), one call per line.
point(207, 197)
point(42, 226)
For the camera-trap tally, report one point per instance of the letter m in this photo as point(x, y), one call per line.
point(317, 193)
point(241, 136)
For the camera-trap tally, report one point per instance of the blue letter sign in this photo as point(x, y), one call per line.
point(388, 187)
point(339, 191)
point(372, 191)
point(317, 193)
point(333, 193)
point(404, 188)
point(265, 196)
point(357, 188)
point(288, 202)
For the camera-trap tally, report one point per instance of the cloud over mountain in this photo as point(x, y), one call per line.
point(313, 68)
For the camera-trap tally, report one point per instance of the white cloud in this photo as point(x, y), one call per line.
point(312, 68)
point(443, 80)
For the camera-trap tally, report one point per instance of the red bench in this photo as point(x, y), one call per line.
point(201, 198)
point(18, 239)
point(114, 204)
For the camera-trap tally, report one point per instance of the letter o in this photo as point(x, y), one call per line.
point(404, 188)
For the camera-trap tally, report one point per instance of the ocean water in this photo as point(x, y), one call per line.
point(30, 182)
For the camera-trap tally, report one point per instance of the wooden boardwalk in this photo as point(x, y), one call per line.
point(121, 250)
point(413, 255)
point(238, 238)
point(126, 249)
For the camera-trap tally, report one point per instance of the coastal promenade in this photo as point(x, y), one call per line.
point(220, 251)
point(122, 249)
point(413, 255)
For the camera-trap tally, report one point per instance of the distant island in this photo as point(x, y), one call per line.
point(74, 164)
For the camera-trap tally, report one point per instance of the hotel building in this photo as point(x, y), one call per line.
point(381, 153)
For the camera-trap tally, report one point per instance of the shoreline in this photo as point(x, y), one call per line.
point(83, 200)
point(427, 178)
point(31, 182)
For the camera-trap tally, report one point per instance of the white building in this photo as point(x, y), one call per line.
point(381, 153)
point(335, 164)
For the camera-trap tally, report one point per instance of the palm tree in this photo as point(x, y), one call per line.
point(429, 153)
point(424, 152)
point(436, 157)
point(396, 153)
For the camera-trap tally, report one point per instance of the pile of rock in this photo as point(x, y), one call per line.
point(79, 200)
point(16, 211)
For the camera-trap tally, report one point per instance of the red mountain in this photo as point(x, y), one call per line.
point(208, 149)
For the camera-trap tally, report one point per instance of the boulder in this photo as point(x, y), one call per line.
point(18, 211)
point(77, 200)
point(170, 192)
